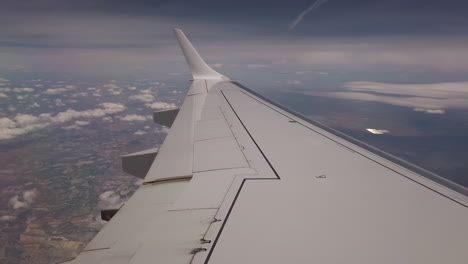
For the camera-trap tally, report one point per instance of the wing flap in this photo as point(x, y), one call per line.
point(217, 154)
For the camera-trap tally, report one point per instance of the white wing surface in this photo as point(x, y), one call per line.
point(240, 179)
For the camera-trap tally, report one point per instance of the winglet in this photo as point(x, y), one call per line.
point(200, 70)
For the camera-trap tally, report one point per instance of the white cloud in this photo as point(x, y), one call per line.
point(139, 182)
point(60, 90)
point(7, 218)
point(81, 123)
point(15, 203)
point(24, 120)
point(429, 98)
point(132, 88)
point(59, 102)
point(77, 125)
point(377, 131)
point(30, 195)
point(256, 66)
point(80, 94)
point(161, 105)
point(163, 129)
point(430, 111)
point(132, 117)
point(142, 97)
point(2, 95)
point(110, 200)
point(302, 72)
point(5, 90)
point(412, 102)
point(295, 82)
point(108, 119)
point(140, 132)
point(434, 90)
point(35, 105)
point(311, 73)
point(110, 86)
point(418, 53)
point(24, 201)
point(146, 91)
point(106, 108)
point(23, 123)
point(216, 65)
point(23, 90)
point(174, 74)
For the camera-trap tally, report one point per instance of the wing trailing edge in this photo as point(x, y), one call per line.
point(200, 70)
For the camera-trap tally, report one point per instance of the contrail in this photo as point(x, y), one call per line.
point(301, 16)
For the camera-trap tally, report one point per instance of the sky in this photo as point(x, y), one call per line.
point(116, 37)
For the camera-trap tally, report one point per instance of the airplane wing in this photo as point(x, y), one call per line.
point(240, 179)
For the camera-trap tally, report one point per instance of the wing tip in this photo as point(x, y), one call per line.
point(199, 68)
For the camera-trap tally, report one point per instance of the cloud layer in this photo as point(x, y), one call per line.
point(24, 123)
point(429, 98)
point(59, 90)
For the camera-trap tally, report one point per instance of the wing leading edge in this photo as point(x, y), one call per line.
point(240, 179)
